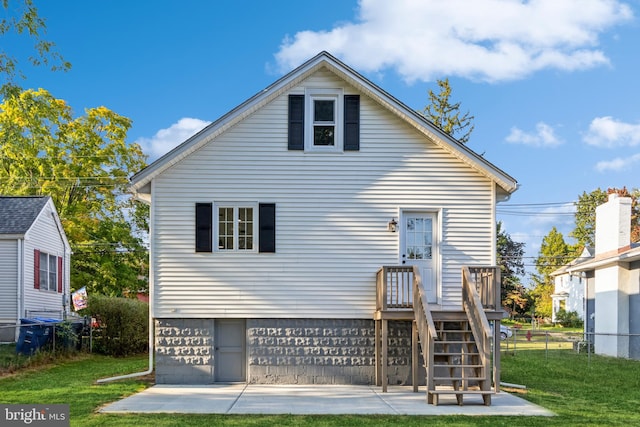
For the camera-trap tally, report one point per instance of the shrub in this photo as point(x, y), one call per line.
point(123, 325)
point(568, 319)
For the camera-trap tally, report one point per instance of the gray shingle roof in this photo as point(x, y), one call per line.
point(17, 213)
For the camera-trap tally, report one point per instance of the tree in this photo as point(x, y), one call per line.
point(84, 164)
point(22, 20)
point(585, 216)
point(445, 115)
point(554, 253)
point(509, 258)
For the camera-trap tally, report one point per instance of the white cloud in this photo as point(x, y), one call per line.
point(543, 136)
point(609, 132)
point(166, 139)
point(618, 164)
point(489, 40)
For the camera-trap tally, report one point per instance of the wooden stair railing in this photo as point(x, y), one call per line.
point(456, 345)
point(425, 330)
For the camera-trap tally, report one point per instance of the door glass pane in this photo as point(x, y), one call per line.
point(419, 238)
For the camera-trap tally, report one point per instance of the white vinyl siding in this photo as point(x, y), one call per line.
point(331, 221)
point(8, 280)
point(45, 237)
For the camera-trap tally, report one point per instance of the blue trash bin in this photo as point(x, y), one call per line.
point(35, 335)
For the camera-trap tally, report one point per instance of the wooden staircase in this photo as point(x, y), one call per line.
point(458, 366)
point(456, 345)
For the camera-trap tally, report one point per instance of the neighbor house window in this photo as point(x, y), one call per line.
point(47, 272)
point(236, 228)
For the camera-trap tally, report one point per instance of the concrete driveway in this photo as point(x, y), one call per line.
point(312, 399)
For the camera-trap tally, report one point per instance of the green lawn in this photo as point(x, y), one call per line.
point(603, 392)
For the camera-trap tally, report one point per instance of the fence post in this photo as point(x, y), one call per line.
point(546, 344)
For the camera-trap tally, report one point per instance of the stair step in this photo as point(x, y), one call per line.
point(454, 353)
point(453, 365)
point(459, 378)
point(455, 342)
point(452, 391)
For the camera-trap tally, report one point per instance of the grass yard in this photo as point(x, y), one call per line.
point(604, 392)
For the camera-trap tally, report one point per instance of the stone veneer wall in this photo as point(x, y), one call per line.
point(184, 351)
point(284, 351)
point(323, 351)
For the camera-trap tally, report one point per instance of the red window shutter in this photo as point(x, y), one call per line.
point(36, 269)
point(59, 274)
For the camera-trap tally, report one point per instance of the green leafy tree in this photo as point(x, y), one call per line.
point(84, 164)
point(585, 216)
point(446, 115)
point(509, 256)
point(21, 20)
point(554, 253)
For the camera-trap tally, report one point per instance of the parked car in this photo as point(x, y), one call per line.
point(505, 332)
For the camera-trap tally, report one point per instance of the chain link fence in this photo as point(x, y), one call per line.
point(43, 333)
point(617, 345)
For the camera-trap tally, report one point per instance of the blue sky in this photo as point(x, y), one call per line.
point(553, 84)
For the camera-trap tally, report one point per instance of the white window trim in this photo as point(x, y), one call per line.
point(48, 273)
point(216, 231)
point(312, 94)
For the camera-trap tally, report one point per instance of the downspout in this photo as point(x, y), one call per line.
point(19, 293)
point(149, 369)
point(151, 311)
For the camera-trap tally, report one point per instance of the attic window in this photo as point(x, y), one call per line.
point(324, 120)
point(324, 116)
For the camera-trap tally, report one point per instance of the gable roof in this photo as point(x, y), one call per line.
point(586, 255)
point(141, 180)
point(623, 255)
point(17, 213)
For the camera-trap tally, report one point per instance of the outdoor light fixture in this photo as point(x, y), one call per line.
point(393, 225)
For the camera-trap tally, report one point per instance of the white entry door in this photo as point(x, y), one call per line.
point(419, 247)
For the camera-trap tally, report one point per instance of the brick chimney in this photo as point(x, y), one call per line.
point(613, 224)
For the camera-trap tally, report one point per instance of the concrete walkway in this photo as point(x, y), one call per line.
point(315, 399)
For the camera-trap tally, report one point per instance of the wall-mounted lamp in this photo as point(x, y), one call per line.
point(392, 226)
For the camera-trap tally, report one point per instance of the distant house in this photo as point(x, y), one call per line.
point(613, 281)
point(287, 237)
point(570, 289)
point(35, 259)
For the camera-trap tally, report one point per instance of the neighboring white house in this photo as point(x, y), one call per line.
point(267, 229)
point(615, 273)
point(570, 289)
point(35, 259)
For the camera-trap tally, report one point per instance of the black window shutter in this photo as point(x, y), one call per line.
point(352, 122)
point(296, 122)
point(267, 224)
point(204, 227)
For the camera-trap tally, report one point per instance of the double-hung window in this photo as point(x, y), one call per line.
point(324, 120)
point(236, 227)
point(47, 272)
